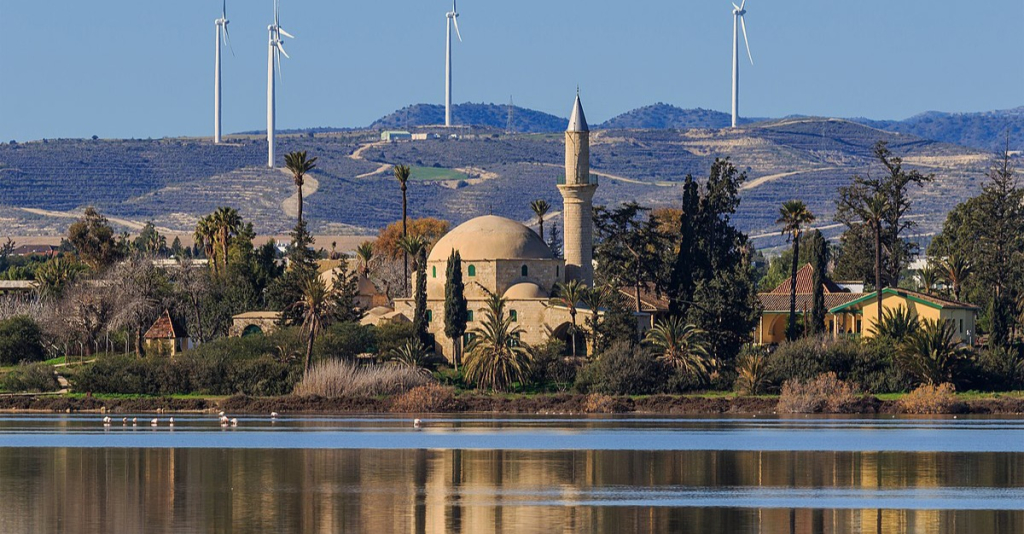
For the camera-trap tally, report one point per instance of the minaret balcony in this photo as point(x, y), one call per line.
point(591, 180)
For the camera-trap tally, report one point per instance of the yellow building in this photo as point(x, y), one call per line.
point(864, 312)
point(855, 313)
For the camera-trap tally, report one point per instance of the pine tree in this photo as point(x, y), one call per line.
point(456, 312)
point(344, 291)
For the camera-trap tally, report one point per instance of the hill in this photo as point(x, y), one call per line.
point(985, 130)
point(664, 116)
point(173, 182)
point(481, 115)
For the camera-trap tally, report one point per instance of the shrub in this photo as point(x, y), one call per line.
point(930, 399)
point(823, 394)
point(339, 378)
point(21, 340)
point(623, 369)
point(551, 369)
point(34, 377)
point(995, 369)
point(429, 398)
point(598, 403)
point(874, 369)
point(751, 371)
point(345, 341)
point(392, 335)
point(809, 357)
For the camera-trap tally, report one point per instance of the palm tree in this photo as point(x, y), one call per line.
point(933, 353)
point(299, 165)
point(496, 358)
point(226, 224)
point(540, 207)
point(928, 278)
point(402, 173)
point(680, 345)
point(412, 245)
point(793, 216)
point(317, 306)
point(955, 269)
point(896, 324)
point(752, 371)
point(56, 275)
point(206, 235)
point(569, 295)
point(364, 252)
point(412, 355)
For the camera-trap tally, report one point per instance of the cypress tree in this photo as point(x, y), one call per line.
point(819, 260)
point(455, 306)
point(344, 291)
point(681, 285)
point(419, 322)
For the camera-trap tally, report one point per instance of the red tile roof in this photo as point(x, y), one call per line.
point(805, 283)
point(774, 302)
point(649, 300)
point(164, 328)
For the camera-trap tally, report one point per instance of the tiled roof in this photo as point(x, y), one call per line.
point(163, 328)
point(805, 283)
point(774, 302)
point(927, 299)
point(649, 300)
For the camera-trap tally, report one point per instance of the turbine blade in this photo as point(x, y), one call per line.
point(735, 6)
point(454, 9)
point(284, 33)
point(280, 47)
point(745, 41)
point(227, 39)
point(459, 34)
point(224, 10)
point(743, 3)
point(277, 63)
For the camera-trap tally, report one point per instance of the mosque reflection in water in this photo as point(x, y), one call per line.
point(433, 491)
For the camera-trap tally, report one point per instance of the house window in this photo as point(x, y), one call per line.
point(433, 271)
point(858, 326)
point(524, 271)
point(469, 315)
point(467, 338)
point(430, 315)
point(558, 271)
point(471, 270)
point(961, 326)
point(513, 315)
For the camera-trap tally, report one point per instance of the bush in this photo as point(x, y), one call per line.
point(995, 369)
point(809, 357)
point(34, 377)
point(345, 341)
point(391, 336)
point(598, 403)
point(551, 369)
point(339, 378)
point(429, 398)
point(623, 369)
point(823, 394)
point(929, 399)
point(21, 340)
point(874, 369)
point(751, 371)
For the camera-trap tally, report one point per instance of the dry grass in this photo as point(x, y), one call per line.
point(823, 394)
point(430, 398)
point(338, 378)
point(929, 399)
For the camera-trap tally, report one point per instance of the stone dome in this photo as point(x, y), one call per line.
point(525, 290)
point(491, 238)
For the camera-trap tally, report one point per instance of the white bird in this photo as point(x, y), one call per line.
point(154, 422)
point(221, 414)
point(124, 421)
point(234, 422)
point(416, 423)
point(171, 422)
point(135, 421)
point(737, 24)
point(106, 420)
point(453, 18)
point(273, 415)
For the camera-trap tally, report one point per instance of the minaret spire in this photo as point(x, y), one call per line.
point(577, 191)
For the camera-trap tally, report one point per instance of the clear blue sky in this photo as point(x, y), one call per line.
point(144, 68)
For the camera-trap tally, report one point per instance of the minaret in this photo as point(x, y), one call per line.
point(577, 199)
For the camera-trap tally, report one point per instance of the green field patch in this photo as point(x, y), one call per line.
point(435, 174)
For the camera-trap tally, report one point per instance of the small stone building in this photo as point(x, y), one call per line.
point(254, 323)
point(165, 337)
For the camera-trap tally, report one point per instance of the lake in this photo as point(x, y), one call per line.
point(70, 473)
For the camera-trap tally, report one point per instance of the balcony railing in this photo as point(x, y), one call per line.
point(591, 180)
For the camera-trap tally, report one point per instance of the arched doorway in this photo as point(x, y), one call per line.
point(252, 330)
point(562, 333)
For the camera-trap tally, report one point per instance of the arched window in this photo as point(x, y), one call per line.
point(433, 271)
point(430, 315)
point(469, 315)
point(513, 315)
point(471, 270)
point(524, 271)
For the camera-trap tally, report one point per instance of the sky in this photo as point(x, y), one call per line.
point(144, 68)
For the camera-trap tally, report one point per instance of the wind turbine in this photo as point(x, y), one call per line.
point(222, 36)
point(273, 66)
point(453, 18)
point(737, 23)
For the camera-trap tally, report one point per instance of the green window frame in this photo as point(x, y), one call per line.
point(471, 270)
point(430, 315)
point(469, 315)
point(433, 271)
point(514, 315)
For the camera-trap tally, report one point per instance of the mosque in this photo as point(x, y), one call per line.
point(507, 258)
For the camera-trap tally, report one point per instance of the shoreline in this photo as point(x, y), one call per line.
point(547, 404)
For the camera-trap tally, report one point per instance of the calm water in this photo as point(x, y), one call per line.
point(518, 475)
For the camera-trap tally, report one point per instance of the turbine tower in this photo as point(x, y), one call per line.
point(737, 24)
point(222, 36)
point(453, 18)
point(273, 66)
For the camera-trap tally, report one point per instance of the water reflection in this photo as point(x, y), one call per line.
point(474, 491)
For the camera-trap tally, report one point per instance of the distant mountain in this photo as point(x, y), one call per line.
point(985, 130)
point(662, 116)
point(488, 115)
